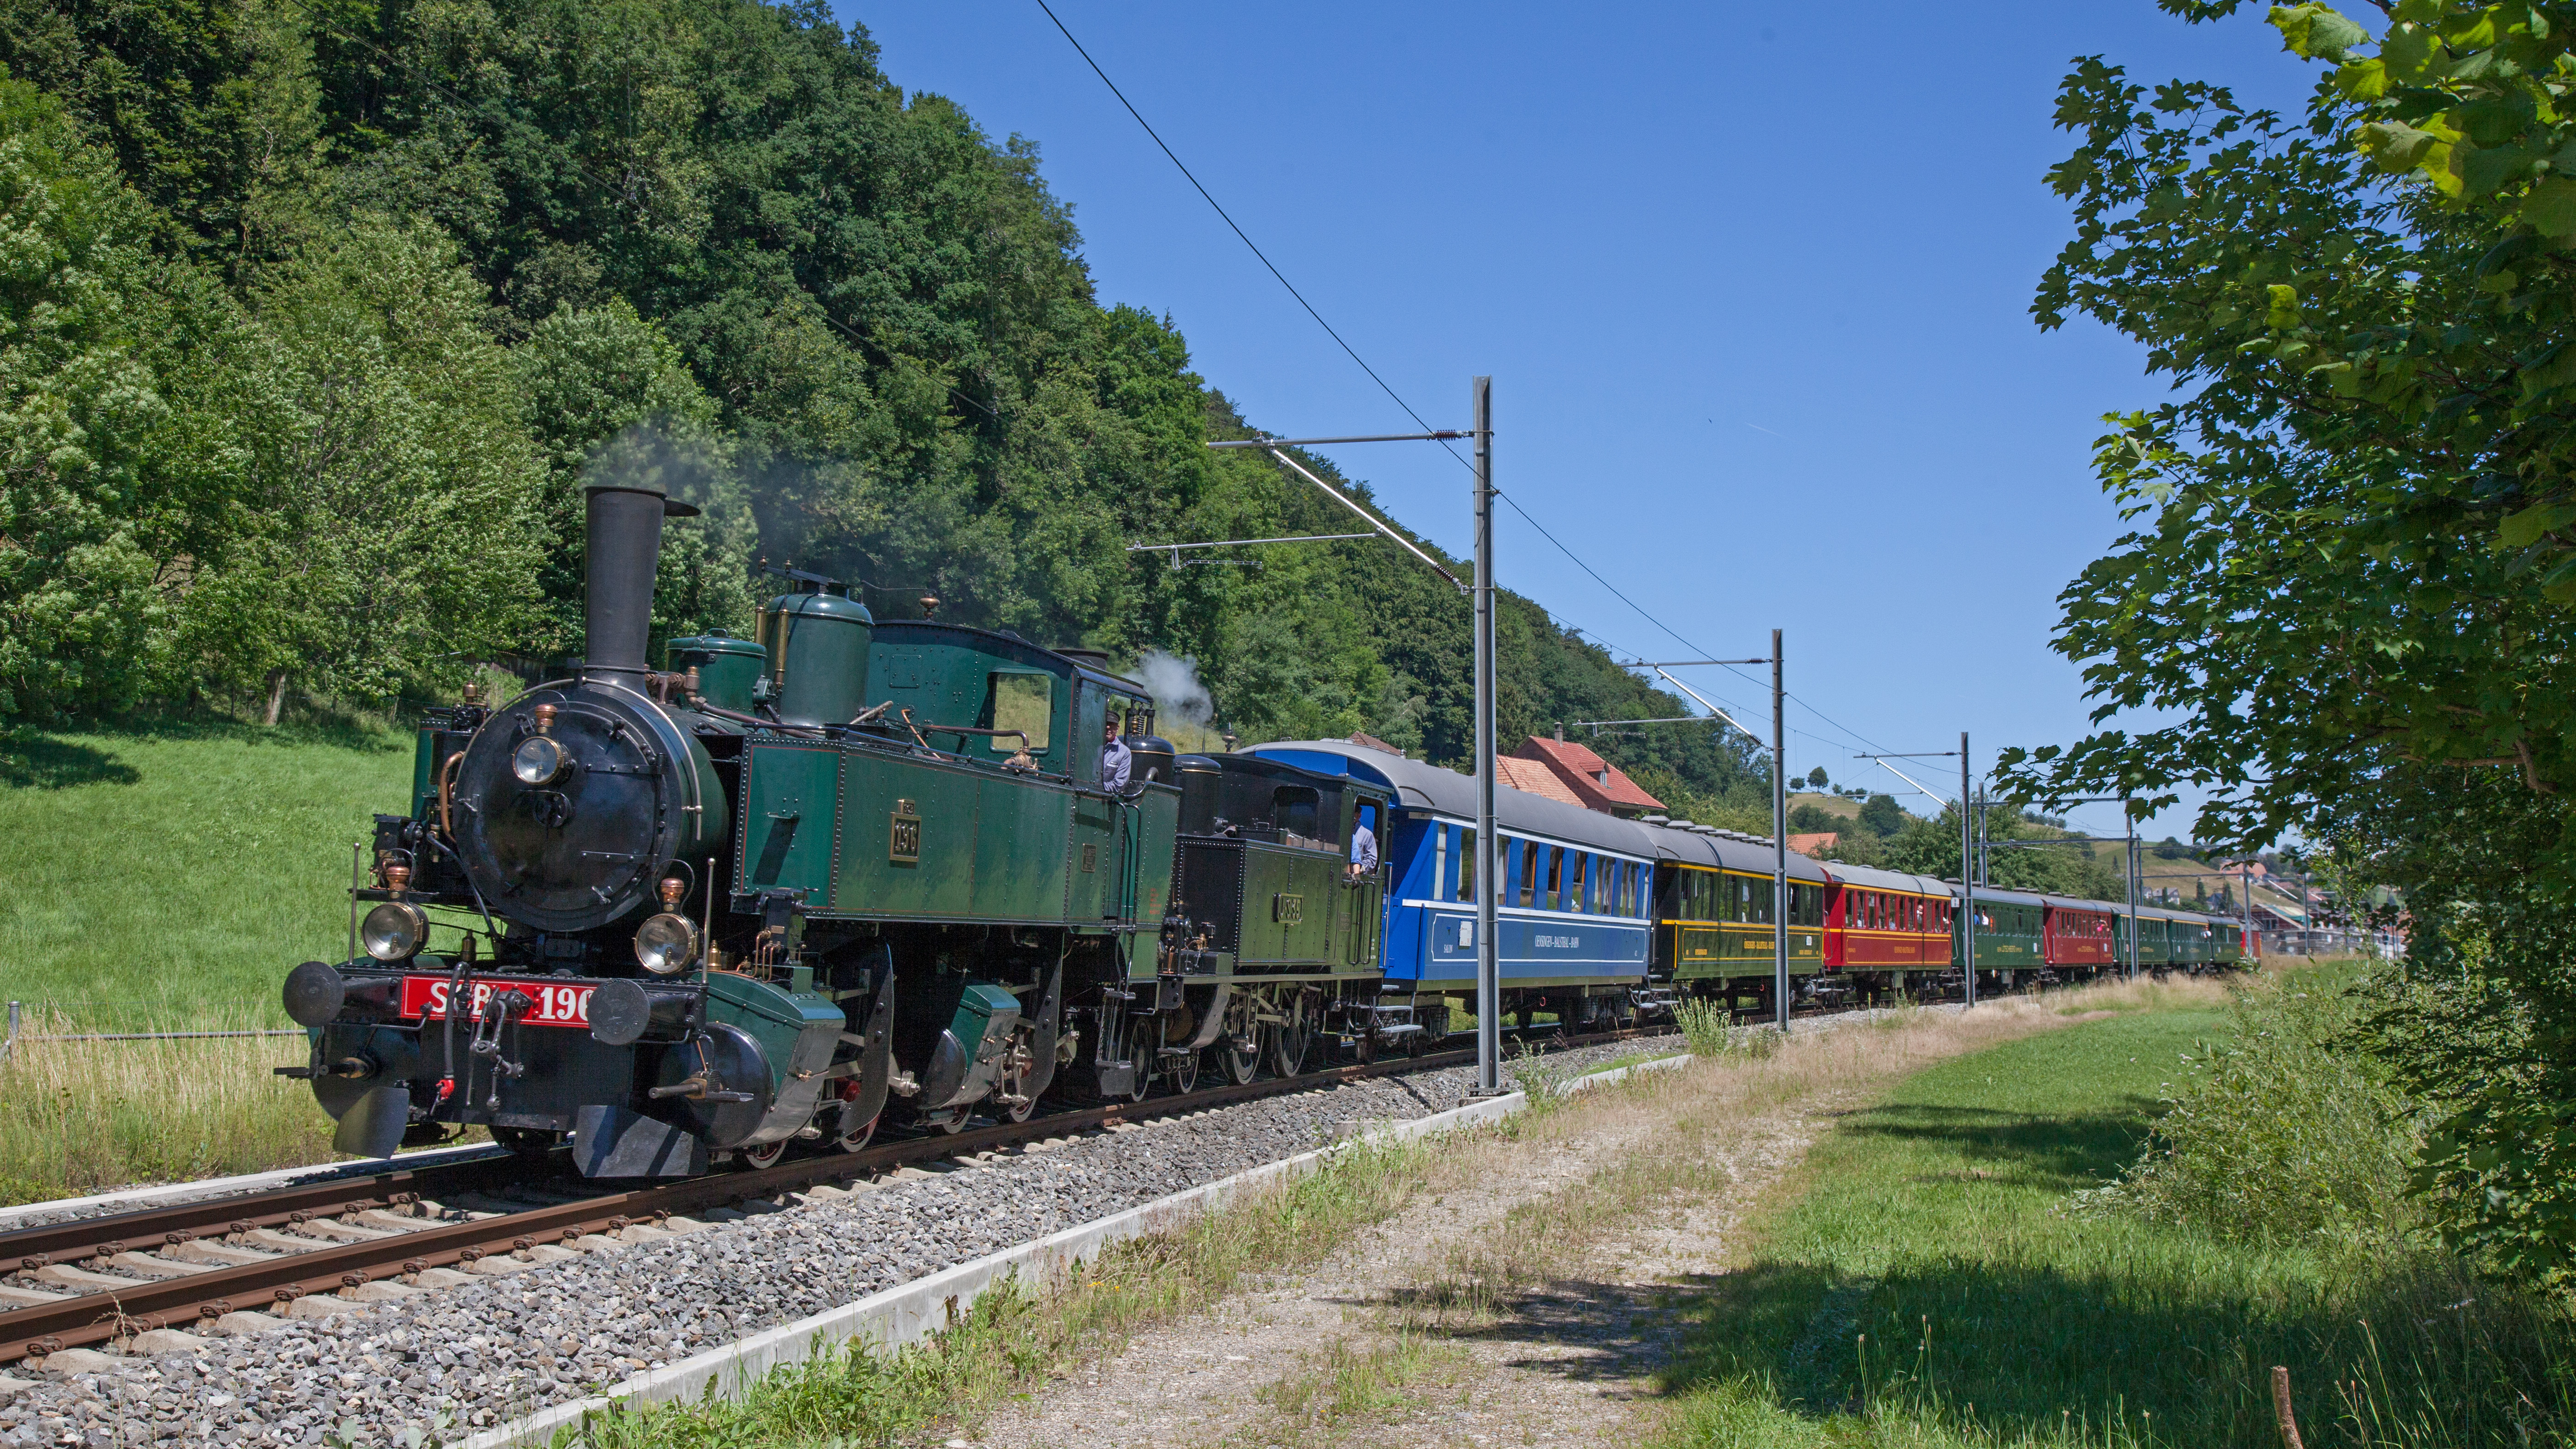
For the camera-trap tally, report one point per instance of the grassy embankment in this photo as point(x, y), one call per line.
point(164, 878)
point(1930, 1277)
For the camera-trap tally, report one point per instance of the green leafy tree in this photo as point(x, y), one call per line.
point(388, 531)
point(712, 238)
point(1808, 819)
point(80, 415)
point(2349, 589)
point(605, 379)
point(1881, 817)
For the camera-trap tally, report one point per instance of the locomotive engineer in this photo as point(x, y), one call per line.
point(1363, 847)
point(1115, 758)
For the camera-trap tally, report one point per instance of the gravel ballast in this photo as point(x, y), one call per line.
point(465, 1358)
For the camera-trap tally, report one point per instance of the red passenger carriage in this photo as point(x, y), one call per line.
point(1881, 925)
point(2078, 934)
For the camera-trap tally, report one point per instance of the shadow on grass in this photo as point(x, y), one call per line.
point(2049, 1152)
point(32, 761)
point(82, 753)
point(2031, 1352)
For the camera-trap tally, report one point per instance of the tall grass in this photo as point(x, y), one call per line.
point(1709, 1030)
point(2279, 1131)
point(81, 1117)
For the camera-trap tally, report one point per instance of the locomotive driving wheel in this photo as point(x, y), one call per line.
point(1294, 1037)
point(857, 1139)
point(1021, 1064)
point(1141, 1085)
point(765, 1154)
point(1241, 1048)
point(1185, 1074)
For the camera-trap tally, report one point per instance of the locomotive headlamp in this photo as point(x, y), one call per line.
point(394, 931)
point(539, 760)
point(666, 943)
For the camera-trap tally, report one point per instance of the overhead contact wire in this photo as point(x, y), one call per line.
point(1239, 233)
point(1353, 353)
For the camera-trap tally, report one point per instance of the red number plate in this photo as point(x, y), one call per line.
point(548, 1004)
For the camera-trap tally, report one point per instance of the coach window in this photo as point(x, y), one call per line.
point(1529, 871)
point(1555, 877)
point(1466, 864)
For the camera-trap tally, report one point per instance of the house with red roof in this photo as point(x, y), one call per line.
point(1578, 776)
point(1531, 777)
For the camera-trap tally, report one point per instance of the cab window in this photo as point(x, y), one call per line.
point(1018, 701)
point(1297, 810)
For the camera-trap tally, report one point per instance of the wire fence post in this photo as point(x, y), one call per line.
point(10, 1042)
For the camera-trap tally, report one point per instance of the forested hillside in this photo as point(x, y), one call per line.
point(317, 314)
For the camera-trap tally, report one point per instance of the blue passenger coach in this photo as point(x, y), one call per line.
point(1576, 903)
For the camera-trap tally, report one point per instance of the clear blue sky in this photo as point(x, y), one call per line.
point(1753, 284)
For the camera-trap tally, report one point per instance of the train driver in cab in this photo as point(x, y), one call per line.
point(1363, 846)
point(1115, 758)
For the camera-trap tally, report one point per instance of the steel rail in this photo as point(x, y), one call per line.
point(100, 1316)
point(79, 1238)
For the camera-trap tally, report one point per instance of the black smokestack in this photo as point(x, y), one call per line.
point(625, 525)
point(628, 495)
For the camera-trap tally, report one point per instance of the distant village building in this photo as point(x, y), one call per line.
point(1816, 842)
point(1563, 770)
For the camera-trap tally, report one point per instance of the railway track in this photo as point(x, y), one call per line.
point(354, 1240)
